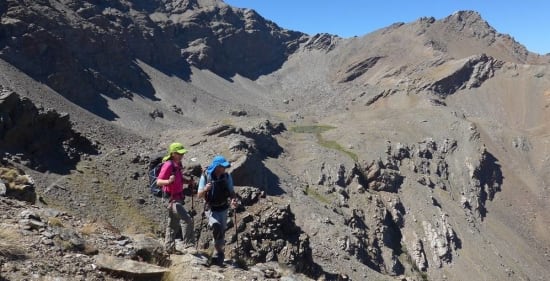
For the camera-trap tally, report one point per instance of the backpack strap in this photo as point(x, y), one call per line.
point(207, 179)
point(173, 167)
point(207, 176)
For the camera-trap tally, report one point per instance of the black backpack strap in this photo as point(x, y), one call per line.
point(173, 167)
point(207, 177)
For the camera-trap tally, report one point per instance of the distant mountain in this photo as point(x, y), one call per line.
point(81, 48)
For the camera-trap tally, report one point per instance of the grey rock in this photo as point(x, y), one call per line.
point(130, 268)
point(3, 188)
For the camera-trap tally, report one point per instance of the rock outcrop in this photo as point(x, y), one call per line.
point(358, 69)
point(465, 74)
point(377, 216)
point(322, 41)
point(248, 147)
point(39, 138)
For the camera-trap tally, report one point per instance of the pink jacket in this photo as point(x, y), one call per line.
point(175, 189)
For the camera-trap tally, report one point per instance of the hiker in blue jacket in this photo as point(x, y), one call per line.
point(216, 187)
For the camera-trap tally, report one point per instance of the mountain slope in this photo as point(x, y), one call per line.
point(417, 151)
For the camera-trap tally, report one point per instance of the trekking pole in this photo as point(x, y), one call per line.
point(164, 206)
point(236, 231)
point(193, 213)
point(200, 227)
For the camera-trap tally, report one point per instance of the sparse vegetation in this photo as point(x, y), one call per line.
point(335, 145)
point(313, 129)
point(318, 130)
point(242, 263)
point(8, 174)
point(64, 244)
point(89, 228)
point(18, 184)
point(316, 195)
point(424, 276)
point(89, 249)
point(13, 178)
point(9, 246)
point(125, 208)
point(55, 222)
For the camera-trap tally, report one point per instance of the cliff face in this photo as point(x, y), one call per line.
point(41, 139)
point(84, 49)
point(226, 40)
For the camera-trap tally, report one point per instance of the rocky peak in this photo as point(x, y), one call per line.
point(177, 6)
point(471, 20)
point(221, 38)
point(470, 24)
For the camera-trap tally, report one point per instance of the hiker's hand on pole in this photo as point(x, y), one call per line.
point(193, 185)
point(234, 203)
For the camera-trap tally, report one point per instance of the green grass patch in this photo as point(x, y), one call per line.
point(335, 145)
point(316, 195)
point(318, 130)
point(314, 129)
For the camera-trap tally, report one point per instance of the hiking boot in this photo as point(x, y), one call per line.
point(189, 249)
point(173, 251)
point(219, 259)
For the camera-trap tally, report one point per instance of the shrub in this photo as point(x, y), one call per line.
point(9, 244)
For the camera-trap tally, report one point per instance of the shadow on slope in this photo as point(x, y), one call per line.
point(269, 147)
point(254, 173)
point(40, 139)
point(490, 179)
point(94, 56)
point(251, 148)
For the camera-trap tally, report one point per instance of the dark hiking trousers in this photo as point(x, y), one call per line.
point(179, 220)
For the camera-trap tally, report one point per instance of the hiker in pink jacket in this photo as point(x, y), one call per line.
point(172, 180)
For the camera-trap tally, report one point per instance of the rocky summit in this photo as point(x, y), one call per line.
point(416, 152)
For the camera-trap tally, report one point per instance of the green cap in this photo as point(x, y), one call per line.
point(174, 147)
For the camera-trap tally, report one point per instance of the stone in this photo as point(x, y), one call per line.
point(3, 188)
point(130, 268)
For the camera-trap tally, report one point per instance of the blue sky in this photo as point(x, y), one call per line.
point(527, 21)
